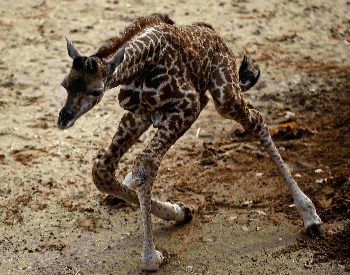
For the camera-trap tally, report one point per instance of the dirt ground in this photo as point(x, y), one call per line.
point(53, 219)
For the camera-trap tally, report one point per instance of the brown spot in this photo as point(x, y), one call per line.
point(145, 40)
point(153, 37)
point(149, 98)
point(173, 71)
point(217, 77)
point(167, 89)
point(140, 45)
point(170, 52)
point(131, 61)
point(107, 161)
point(132, 122)
point(216, 94)
point(184, 105)
point(133, 96)
point(228, 75)
point(169, 105)
point(156, 77)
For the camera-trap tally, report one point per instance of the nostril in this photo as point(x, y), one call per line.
point(68, 116)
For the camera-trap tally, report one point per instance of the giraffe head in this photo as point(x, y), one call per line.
point(86, 83)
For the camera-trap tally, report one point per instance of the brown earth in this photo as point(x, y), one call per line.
point(53, 219)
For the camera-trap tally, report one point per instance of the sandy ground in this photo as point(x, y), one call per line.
point(53, 219)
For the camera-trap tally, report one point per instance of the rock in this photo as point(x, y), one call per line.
point(3, 159)
point(301, 165)
point(207, 158)
point(289, 115)
point(321, 180)
point(207, 154)
point(323, 201)
point(245, 228)
point(291, 130)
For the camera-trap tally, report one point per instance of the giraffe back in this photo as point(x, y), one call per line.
point(165, 61)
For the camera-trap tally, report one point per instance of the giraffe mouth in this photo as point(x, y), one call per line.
point(65, 119)
point(63, 125)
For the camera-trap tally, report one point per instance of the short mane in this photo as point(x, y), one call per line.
point(111, 46)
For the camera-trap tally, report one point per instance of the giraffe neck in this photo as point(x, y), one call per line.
point(110, 47)
point(141, 52)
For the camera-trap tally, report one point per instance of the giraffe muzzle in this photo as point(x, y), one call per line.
point(65, 119)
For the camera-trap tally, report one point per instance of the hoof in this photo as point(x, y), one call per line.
point(315, 230)
point(163, 258)
point(110, 200)
point(150, 267)
point(163, 254)
point(187, 213)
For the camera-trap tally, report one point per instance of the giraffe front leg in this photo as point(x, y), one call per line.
point(111, 200)
point(130, 128)
point(126, 191)
point(145, 171)
point(151, 259)
point(143, 176)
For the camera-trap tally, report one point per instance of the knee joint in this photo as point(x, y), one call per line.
point(145, 170)
point(101, 177)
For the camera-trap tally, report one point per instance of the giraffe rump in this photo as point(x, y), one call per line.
point(111, 46)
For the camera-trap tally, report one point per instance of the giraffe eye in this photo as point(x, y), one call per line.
point(96, 92)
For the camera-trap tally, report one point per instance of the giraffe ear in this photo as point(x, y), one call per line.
point(72, 51)
point(116, 60)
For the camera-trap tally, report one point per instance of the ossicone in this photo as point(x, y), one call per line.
point(92, 65)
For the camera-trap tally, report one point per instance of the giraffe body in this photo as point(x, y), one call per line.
point(164, 72)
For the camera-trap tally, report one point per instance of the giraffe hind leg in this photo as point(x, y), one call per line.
point(230, 104)
point(303, 204)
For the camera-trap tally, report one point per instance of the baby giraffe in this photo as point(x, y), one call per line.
point(165, 71)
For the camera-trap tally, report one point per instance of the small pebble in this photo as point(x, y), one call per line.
point(321, 180)
point(289, 115)
point(245, 228)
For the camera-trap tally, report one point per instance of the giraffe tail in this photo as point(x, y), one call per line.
point(247, 77)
